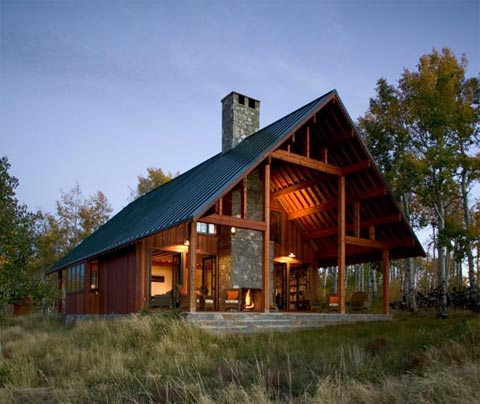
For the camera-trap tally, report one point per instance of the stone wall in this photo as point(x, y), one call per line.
point(247, 245)
point(240, 118)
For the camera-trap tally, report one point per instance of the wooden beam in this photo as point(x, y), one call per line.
point(224, 220)
point(307, 162)
point(192, 268)
point(355, 168)
point(220, 206)
point(407, 242)
point(341, 244)
point(380, 191)
point(324, 154)
point(244, 198)
point(379, 221)
point(296, 187)
point(386, 281)
point(356, 219)
point(348, 134)
point(310, 211)
point(365, 242)
point(266, 240)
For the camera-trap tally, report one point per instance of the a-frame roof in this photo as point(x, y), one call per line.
point(189, 195)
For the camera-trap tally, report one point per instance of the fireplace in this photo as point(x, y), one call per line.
point(251, 299)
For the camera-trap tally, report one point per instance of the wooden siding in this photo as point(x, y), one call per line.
point(117, 282)
point(75, 303)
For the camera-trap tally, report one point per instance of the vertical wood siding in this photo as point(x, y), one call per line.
point(117, 282)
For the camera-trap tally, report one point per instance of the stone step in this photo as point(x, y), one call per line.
point(233, 322)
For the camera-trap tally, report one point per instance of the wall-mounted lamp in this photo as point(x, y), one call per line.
point(291, 255)
point(186, 242)
point(233, 230)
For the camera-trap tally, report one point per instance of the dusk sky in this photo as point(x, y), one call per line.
point(95, 92)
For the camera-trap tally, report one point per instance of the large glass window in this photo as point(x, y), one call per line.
point(75, 278)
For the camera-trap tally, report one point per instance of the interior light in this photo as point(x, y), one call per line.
point(186, 242)
point(291, 255)
point(233, 230)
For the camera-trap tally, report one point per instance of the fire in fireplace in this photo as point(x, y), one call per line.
point(251, 299)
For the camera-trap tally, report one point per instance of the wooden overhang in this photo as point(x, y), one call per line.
point(305, 172)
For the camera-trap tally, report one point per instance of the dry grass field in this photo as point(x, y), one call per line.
point(153, 359)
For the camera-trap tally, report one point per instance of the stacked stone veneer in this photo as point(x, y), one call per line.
point(240, 118)
point(247, 245)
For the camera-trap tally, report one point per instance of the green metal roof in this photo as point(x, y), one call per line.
point(184, 197)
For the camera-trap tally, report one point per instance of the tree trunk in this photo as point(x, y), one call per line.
point(442, 257)
point(466, 215)
point(409, 267)
point(334, 281)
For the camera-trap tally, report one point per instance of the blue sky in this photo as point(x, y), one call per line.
point(97, 91)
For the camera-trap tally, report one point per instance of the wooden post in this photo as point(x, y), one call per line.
point(192, 268)
point(356, 219)
point(341, 243)
point(386, 281)
point(266, 240)
point(244, 199)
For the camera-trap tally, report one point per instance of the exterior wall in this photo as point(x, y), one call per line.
point(117, 282)
point(238, 120)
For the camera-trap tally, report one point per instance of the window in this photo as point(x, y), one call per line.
point(251, 103)
point(241, 99)
point(206, 228)
point(94, 276)
point(75, 278)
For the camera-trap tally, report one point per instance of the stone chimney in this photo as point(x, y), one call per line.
point(240, 118)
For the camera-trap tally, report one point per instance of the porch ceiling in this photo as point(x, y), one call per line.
point(304, 180)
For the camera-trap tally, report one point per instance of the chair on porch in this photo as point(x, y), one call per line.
point(333, 303)
point(358, 302)
point(233, 299)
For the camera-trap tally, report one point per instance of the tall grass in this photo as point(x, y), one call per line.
point(150, 359)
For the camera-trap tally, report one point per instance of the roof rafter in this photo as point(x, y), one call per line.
point(374, 193)
point(307, 162)
point(297, 187)
point(332, 231)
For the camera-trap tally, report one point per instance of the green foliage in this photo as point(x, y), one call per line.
point(161, 359)
point(76, 217)
point(424, 133)
point(17, 241)
point(154, 179)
